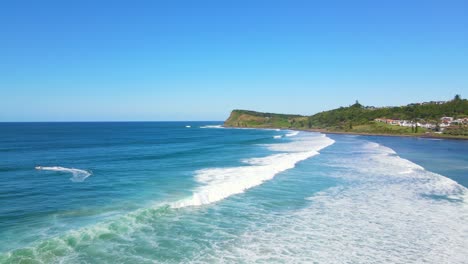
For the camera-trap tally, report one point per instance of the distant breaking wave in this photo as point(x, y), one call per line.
point(212, 126)
point(292, 134)
point(220, 183)
point(78, 175)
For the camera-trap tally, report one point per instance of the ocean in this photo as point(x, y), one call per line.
point(195, 192)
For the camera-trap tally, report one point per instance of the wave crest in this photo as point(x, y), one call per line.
point(220, 183)
point(292, 134)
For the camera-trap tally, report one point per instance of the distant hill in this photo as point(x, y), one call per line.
point(354, 118)
point(246, 118)
point(356, 114)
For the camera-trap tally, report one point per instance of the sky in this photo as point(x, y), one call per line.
point(198, 60)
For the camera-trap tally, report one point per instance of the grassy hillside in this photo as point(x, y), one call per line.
point(356, 118)
point(345, 117)
point(245, 118)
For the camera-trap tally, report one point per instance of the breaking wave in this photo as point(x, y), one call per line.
point(219, 183)
point(78, 175)
point(100, 240)
point(381, 213)
point(387, 210)
point(292, 134)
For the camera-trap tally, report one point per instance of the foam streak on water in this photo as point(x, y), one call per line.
point(78, 175)
point(212, 126)
point(220, 183)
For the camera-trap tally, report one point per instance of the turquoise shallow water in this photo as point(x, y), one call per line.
point(192, 192)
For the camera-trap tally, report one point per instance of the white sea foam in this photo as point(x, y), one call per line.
point(188, 126)
point(219, 183)
point(212, 126)
point(302, 142)
point(382, 213)
point(278, 136)
point(78, 175)
point(292, 134)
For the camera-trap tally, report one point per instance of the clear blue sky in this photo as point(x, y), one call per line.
point(197, 60)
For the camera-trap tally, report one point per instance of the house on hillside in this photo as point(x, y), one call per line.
point(446, 119)
point(406, 123)
point(460, 121)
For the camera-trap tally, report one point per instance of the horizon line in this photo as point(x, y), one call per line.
point(117, 121)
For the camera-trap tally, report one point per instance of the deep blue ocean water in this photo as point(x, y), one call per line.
point(193, 192)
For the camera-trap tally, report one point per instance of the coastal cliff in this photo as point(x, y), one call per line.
point(246, 118)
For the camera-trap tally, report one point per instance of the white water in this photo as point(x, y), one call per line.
point(381, 214)
point(305, 141)
point(388, 210)
point(212, 126)
point(219, 183)
point(78, 175)
point(292, 134)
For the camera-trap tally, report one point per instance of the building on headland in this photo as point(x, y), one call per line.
point(426, 103)
point(446, 119)
point(445, 122)
point(460, 121)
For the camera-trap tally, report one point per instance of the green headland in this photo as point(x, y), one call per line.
point(435, 119)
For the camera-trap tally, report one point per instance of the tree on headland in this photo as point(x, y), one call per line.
point(457, 97)
point(357, 104)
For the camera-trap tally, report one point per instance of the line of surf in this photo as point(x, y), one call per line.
point(219, 183)
point(309, 229)
point(215, 185)
point(212, 126)
point(387, 209)
point(292, 134)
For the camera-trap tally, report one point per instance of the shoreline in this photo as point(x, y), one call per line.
point(432, 136)
point(324, 131)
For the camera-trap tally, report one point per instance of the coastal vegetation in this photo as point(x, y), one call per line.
point(362, 119)
point(246, 118)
